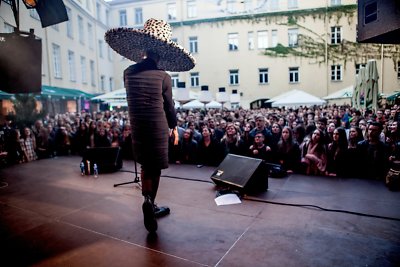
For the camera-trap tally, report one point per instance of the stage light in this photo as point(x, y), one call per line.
point(30, 3)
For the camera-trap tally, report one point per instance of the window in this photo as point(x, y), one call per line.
point(90, 35)
point(109, 53)
point(191, 9)
point(171, 10)
point(88, 7)
point(250, 40)
point(111, 83)
point(101, 52)
point(263, 76)
point(57, 61)
point(8, 28)
point(336, 72)
point(233, 41)
point(55, 27)
point(335, 2)
point(359, 66)
point(398, 69)
point(230, 6)
point(175, 80)
point(336, 36)
point(98, 11)
point(274, 38)
point(70, 31)
point(193, 44)
point(71, 64)
point(81, 33)
point(234, 77)
point(83, 70)
point(122, 18)
point(294, 75)
point(107, 17)
point(292, 34)
point(102, 83)
point(262, 39)
point(92, 76)
point(274, 5)
point(292, 4)
point(194, 79)
point(138, 16)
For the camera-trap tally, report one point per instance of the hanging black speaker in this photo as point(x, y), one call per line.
point(20, 63)
point(51, 12)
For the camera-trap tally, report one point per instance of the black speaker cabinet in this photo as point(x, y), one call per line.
point(108, 159)
point(242, 173)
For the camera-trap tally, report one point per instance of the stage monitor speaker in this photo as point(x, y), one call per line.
point(108, 159)
point(247, 175)
point(20, 63)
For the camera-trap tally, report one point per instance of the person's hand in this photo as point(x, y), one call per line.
point(170, 132)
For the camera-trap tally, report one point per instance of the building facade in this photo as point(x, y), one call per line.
point(255, 49)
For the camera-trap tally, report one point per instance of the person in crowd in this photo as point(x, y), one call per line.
point(245, 136)
point(62, 142)
point(261, 127)
point(208, 150)
point(314, 156)
point(329, 130)
point(220, 130)
point(374, 154)
point(28, 145)
point(392, 135)
point(115, 137)
point(101, 138)
point(196, 133)
point(126, 142)
point(288, 151)
point(43, 146)
point(337, 153)
point(151, 107)
point(81, 139)
point(187, 153)
point(15, 154)
point(276, 131)
point(231, 143)
point(92, 132)
point(259, 149)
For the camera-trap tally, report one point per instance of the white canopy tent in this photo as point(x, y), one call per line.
point(340, 96)
point(214, 104)
point(296, 98)
point(193, 104)
point(119, 94)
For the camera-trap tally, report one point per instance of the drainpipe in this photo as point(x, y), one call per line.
point(381, 76)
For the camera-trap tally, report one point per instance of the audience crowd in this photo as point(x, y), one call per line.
point(330, 140)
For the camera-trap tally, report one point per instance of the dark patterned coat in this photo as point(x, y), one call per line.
point(151, 112)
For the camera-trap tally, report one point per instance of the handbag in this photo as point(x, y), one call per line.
point(392, 180)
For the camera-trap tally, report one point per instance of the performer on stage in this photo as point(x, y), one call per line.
point(150, 104)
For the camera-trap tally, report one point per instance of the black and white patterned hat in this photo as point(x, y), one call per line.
point(155, 36)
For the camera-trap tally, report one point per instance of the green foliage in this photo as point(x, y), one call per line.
point(25, 110)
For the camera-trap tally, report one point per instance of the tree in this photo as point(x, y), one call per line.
point(25, 110)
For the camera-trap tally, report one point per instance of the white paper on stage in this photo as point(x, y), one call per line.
point(227, 199)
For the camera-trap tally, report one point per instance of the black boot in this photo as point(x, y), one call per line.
point(150, 221)
point(161, 211)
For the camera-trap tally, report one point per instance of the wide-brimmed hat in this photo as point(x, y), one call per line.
point(155, 36)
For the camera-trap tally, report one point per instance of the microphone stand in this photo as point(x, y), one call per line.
point(135, 181)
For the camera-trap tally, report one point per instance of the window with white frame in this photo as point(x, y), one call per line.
point(274, 5)
point(138, 15)
point(92, 73)
point(336, 72)
point(274, 38)
point(292, 4)
point(102, 83)
point(111, 83)
point(83, 70)
point(233, 77)
point(359, 66)
point(233, 41)
point(175, 80)
point(70, 29)
point(109, 53)
point(336, 35)
point(262, 39)
point(8, 28)
point(88, 6)
point(191, 9)
point(71, 64)
point(55, 27)
point(293, 37)
point(250, 40)
point(80, 30)
point(57, 61)
point(101, 52)
point(335, 2)
point(294, 75)
point(107, 17)
point(98, 11)
point(231, 6)
point(194, 79)
point(398, 69)
point(171, 11)
point(263, 76)
point(193, 48)
point(90, 35)
point(123, 20)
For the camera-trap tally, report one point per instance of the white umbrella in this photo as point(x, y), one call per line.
point(214, 104)
point(193, 104)
point(116, 94)
point(343, 93)
point(298, 98)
